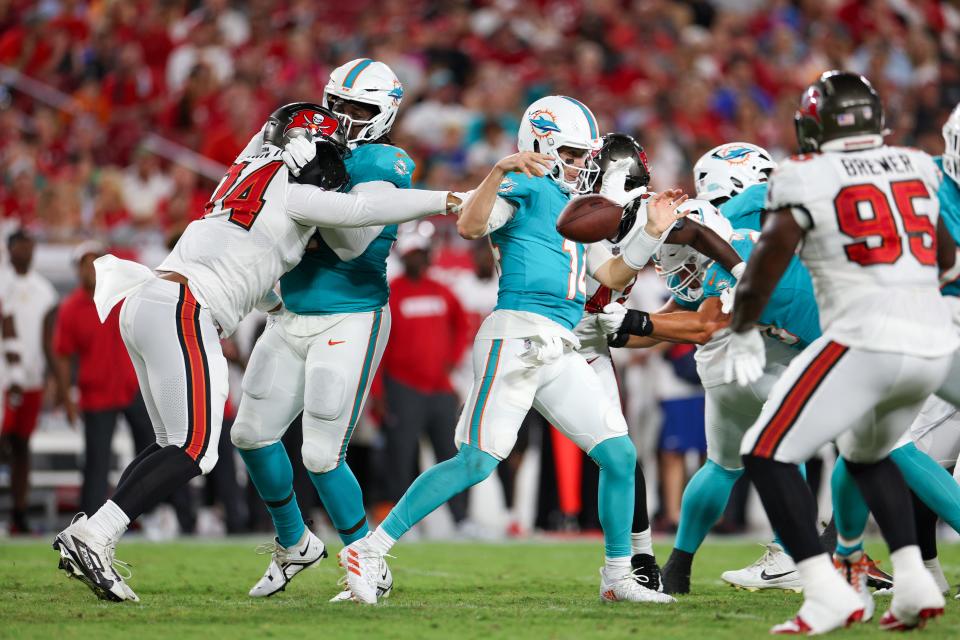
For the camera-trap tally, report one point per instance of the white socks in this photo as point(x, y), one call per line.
point(906, 559)
point(933, 566)
point(109, 522)
point(380, 542)
point(641, 542)
point(817, 569)
point(616, 567)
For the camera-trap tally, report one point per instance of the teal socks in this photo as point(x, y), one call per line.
point(272, 475)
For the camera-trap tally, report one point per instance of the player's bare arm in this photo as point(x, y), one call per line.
point(475, 214)
point(947, 261)
point(673, 323)
point(778, 242)
point(706, 241)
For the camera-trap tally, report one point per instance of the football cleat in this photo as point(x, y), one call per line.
point(384, 586)
point(676, 573)
point(646, 571)
point(916, 599)
point(364, 568)
point(286, 562)
point(774, 570)
point(87, 558)
point(829, 604)
point(626, 589)
point(877, 578)
point(853, 569)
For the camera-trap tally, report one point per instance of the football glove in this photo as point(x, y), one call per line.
point(613, 185)
point(542, 352)
point(298, 153)
point(745, 358)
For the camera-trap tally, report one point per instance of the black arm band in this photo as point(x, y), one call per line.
point(635, 323)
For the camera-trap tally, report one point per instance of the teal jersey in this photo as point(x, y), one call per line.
point(791, 315)
point(949, 195)
point(743, 210)
point(540, 271)
point(323, 283)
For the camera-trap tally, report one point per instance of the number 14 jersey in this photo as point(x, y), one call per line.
point(870, 218)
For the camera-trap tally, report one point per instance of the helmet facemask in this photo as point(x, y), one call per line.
point(682, 273)
point(586, 175)
point(371, 129)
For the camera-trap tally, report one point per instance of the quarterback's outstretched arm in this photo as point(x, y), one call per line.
point(473, 223)
point(311, 205)
point(778, 242)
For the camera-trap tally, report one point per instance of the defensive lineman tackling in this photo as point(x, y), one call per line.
point(257, 225)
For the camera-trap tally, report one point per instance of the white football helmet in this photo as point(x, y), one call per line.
point(681, 267)
point(951, 151)
point(370, 82)
point(725, 171)
point(558, 121)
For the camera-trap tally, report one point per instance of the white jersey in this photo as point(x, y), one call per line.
point(870, 218)
point(258, 223)
point(28, 299)
point(593, 342)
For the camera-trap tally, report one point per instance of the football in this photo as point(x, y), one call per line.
point(589, 218)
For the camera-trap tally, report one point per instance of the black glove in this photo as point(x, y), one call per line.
point(636, 323)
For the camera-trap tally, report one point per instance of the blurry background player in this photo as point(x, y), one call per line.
point(886, 330)
point(30, 301)
point(932, 443)
point(432, 334)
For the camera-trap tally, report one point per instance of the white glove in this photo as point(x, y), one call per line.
point(612, 318)
point(297, 153)
point(727, 295)
point(613, 185)
point(745, 357)
point(542, 352)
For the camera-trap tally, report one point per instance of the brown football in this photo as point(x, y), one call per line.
point(589, 218)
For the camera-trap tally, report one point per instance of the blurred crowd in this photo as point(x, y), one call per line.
point(118, 117)
point(681, 76)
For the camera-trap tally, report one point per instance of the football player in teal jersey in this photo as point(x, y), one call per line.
point(319, 354)
point(525, 352)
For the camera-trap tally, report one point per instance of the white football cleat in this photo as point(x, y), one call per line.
point(916, 599)
point(854, 572)
point(286, 562)
point(89, 559)
point(774, 570)
point(625, 588)
point(831, 604)
point(384, 586)
point(365, 568)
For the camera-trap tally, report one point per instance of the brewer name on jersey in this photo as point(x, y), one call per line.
point(880, 165)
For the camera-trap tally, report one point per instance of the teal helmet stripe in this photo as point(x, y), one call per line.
point(355, 72)
point(594, 130)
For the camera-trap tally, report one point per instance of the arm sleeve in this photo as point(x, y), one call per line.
point(785, 190)
point(351, 243)
point(597, 254)
point(311, 205)
point(502, 213)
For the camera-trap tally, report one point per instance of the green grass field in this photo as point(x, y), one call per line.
point(526, 590)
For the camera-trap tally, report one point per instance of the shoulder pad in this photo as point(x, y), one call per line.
point(517, 186)
point(380, 162)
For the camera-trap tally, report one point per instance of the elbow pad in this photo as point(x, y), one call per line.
point(635, 323)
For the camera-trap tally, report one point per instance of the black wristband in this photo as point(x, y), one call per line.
point(635, 323)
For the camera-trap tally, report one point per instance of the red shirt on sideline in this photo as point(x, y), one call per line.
point(428, 335)
point(105, 375)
